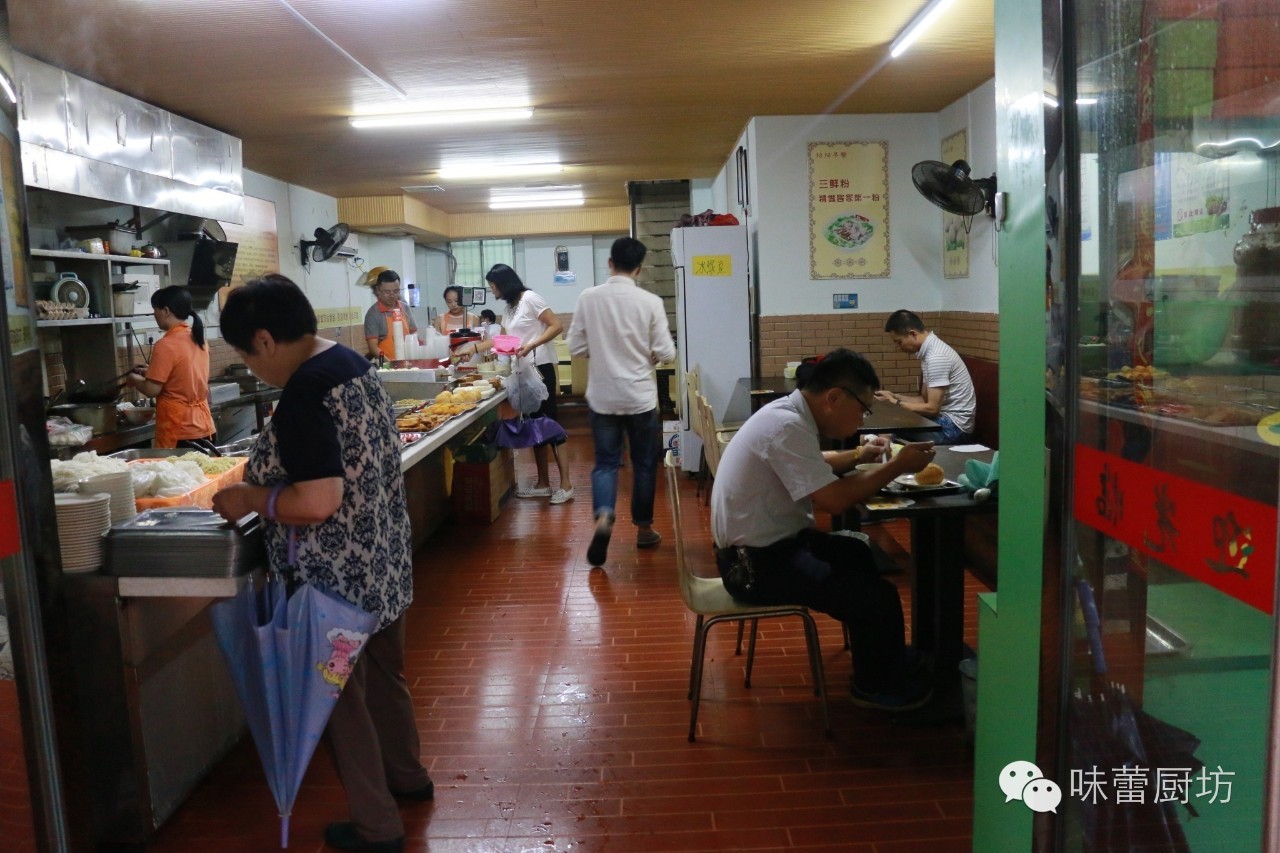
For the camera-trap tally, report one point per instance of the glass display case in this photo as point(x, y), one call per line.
point(1164, 299)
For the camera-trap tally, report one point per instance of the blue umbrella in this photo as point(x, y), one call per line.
point(289, 658)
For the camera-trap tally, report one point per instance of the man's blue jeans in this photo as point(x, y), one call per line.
point(946, 433)
point(642, 433)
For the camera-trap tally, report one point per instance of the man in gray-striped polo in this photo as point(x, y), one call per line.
point(946, 391)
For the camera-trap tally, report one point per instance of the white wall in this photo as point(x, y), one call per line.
point(536, 264)
point(778, 213)
point(780, 206)
point(975, 112)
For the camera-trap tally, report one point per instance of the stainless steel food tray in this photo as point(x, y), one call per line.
point(1163, 640)
point(148, 453)
point(183, 542)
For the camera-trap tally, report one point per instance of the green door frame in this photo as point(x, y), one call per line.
point(1009, 620)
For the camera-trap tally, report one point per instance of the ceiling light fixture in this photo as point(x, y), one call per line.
point(441, 117)
point(518, 197)
point(921, 22)
point(8, 88)
point(497, 170)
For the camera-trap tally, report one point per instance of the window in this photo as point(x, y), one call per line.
point(475, 257)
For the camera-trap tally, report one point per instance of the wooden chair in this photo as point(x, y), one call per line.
point(711, 603)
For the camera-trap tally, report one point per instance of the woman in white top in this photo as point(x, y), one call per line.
point(529, 318)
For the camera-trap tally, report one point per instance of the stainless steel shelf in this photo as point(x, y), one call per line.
point(90, 256)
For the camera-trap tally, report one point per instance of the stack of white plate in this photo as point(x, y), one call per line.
point(82, 519)
point(119, 485)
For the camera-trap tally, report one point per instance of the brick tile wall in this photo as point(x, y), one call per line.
point(792, 337)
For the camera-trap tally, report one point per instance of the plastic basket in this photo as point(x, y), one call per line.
point(200, 496)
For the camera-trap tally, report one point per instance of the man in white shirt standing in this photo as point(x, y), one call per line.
point(946, 390)
point(623, 329)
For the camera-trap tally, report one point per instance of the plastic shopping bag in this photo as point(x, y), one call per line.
point(525, 389)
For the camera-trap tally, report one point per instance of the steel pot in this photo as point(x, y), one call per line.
point(100, 416)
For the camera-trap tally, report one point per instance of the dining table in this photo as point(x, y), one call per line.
point(749, 394)
point(937, 520)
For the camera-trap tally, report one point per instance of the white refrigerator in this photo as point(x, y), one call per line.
point(713, 320)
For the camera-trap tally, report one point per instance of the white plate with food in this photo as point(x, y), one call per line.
point(908, 481)
point(850, 231)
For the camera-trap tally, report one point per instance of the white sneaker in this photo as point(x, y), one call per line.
point(562, 495)
point(533, 491)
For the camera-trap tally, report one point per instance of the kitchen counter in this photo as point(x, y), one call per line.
point(424, 468)
point(158, 708)
point(419, 450)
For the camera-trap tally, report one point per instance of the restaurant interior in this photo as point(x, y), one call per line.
point(1094, 227)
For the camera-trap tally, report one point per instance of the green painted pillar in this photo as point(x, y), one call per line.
point(1009, 620)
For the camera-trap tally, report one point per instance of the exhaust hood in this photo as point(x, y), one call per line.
point(81, 138)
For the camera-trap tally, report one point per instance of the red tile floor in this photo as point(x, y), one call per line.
point(553, 710)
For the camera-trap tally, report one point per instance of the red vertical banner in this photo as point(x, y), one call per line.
point(1214, 536)
point(10, 538)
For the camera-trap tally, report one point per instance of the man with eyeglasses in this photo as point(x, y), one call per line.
point(377, 320)
point(773, 476)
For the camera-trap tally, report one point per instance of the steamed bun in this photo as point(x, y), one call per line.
point(930, 475)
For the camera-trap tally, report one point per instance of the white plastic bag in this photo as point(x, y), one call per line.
point(525, 389)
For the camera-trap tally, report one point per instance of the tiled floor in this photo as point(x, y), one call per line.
point(552, 702)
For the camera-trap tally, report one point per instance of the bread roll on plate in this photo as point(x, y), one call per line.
point(930, 475)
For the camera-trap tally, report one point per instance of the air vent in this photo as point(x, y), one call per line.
point(424, 188)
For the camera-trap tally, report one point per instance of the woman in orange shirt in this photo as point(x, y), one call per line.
point(178, 376)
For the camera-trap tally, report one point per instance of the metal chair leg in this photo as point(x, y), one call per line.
point(700, 648)
point(697, 653)
point(751, 650)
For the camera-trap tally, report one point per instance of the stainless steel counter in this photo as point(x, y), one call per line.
point(158, 709)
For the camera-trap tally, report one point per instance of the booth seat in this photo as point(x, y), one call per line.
point(980, 531)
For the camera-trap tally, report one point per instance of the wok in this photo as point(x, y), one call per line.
point(106, 392)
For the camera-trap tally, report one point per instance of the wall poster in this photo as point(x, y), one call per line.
point(848, 210)
point(259, 249)
point(955, 237)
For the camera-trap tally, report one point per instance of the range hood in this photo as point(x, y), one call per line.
point(81, 138)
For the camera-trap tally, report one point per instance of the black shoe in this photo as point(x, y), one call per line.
point(598, 550)
point(906, 697)
point(421, 795)
point(345, 836)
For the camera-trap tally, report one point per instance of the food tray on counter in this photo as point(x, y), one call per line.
point(428, 419)
point(200, 496)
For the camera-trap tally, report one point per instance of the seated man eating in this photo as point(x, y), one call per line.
point(773, 476)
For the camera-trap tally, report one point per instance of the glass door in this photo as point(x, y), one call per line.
point(1174, 387)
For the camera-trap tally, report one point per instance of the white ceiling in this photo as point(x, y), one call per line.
point(623, 90)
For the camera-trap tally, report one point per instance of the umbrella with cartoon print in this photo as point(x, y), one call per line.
point(289, 657)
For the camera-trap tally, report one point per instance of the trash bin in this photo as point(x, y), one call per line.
point(969, 695)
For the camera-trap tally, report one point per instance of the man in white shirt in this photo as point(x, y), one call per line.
point(772, 477)
point(623, 329)
point(946, 390)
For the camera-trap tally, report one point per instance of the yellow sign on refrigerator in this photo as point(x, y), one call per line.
point(715, 265)
point(848, 210)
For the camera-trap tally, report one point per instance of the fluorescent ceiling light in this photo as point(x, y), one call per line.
point(1050, 101)
point(8, 88)
point(497, 170)
point(517, 197)
point(919, 24)
point(1086, 102)
point(441, 117)
point(546, 202)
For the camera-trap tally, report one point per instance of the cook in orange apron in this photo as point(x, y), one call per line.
point(182, 406)
point(387, 346)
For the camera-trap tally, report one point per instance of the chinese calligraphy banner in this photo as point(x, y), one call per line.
point(848, 210)
point(955, 236)
point(1216, 537)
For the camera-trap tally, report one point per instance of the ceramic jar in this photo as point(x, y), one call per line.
point(1257, 257)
